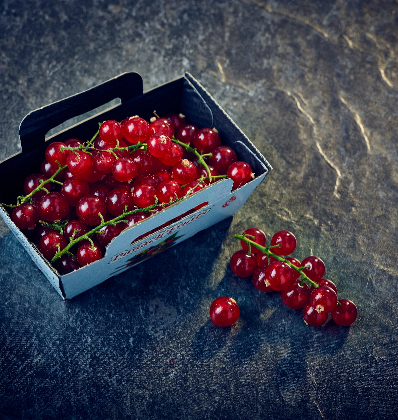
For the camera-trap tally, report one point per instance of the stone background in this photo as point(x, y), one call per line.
point(314, 85)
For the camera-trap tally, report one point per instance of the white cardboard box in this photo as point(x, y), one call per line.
point(162, 230)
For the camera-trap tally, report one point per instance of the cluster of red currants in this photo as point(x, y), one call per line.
point(87, 193)
point(301, 284)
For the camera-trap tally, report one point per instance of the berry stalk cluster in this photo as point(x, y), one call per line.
point(301, 284)
point(87, 193)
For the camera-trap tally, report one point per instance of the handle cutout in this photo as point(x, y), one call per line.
point(83, 117)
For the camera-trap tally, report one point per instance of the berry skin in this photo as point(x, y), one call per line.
point(323, 299)
point(168, 191)
point(54, 155)
point(74, 229)
point(144, 196)
point(287, 242)
point(222, 158)
point(86, 254)
point(66, 264)
point(345, 313)
point(295, 274)
point(107, 233)
point(173, 155)
point(51, 243)
point(184, 172)
point(296, 296)
point(135, 130)
point(243, 264)
point(79, 163)
point(124, 169)
point(74, 189)
point(52, 207)
point(206, 140)
point(315, 268)
point(177, 120)
point(279, 275)
point(24, 216)
point(255, 235)
point(187, 133)
point(240, 172)
point(110, 131)
point(313, 317)
point(119, 199)
point(328, 283)
point(259, 280)
point(163, 126)
point(158, 145)
point(89, 208)
point(224, 311)
point(32, 182)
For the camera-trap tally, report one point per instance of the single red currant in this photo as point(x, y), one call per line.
point(240, 172)
point(243, 264)
point(74, 189)
point(24, 216)
point(173, 155)
point(136, 129)
point(296, 296)
point(313, 317)
point(32, 182)
point(51, 243)
point(315, 268)
point(224, 311)
point(184, 172)
point(66, 264)
point(124, 169)
point(260, 281)
point(222, 158)
point(163, 126)
point(74, 229)
point(168, 191)
point(256, 235)
point(279, 275)
point(328, 283)
point(345, 313)
point(111, 131)
point(158, 144)
point(89, 210)
point(186, 134)
point(107, 233)
point(286, 240)
point(87, 253)
point(54, 155)
point(323, 299)
point(79, 163)
point(52, 207)
point(144, 196)
point(177, 120)
point(206, 140)
point(119, 200)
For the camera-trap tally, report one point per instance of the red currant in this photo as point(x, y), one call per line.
point(24, 216)
point(186, 134)
point(296, 296)
point(89, 210)
point(323, 299)
point(206, 140)
point(66, 263)
point(222, 158)
point(32, 182)
point(107, 233)
point(313, 317)
point(124, 169)
point(224, 311)
point(328, 283)
point(158, 144)
point(144, 196)
point(51, 243)
point(87, 253)
point(240, 172)
point(279, 275)
point(119, 200)
point(177, 120)
point(136, 129)
point(345, 313)
point(134, 218)
point(243, 264)
point(79, 163)
point(163, 126)
point(260, 281)
point(184, 172)
point(52, 207)
point(315, 268)
point(168, 191)
point(54, 155)
point(74, 229)
point(286, 240)
point(110, 131)
point(256, 235)
point(173, 155)
point(74, 189)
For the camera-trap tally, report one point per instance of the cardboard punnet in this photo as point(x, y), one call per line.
point(160, 231)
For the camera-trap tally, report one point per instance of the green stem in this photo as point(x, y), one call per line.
point(117, 219)
point(266, 250)
point(39, 187)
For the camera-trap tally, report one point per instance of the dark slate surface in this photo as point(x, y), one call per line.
point(314, 86)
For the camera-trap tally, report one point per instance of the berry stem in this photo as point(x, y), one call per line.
point(117, 219)
point(266, 250)
point(197, 154)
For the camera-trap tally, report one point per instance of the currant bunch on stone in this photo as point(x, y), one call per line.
point(302, 284)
